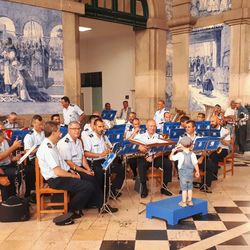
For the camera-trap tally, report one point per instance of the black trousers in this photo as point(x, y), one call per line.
point(81, 191)
point(30, 176)
point(133, 165)
point(216, 158)
point(116, 168)
point(241, 135)
point(208, 167)
point(11, 172)
point(97, 198)
point(143, 166)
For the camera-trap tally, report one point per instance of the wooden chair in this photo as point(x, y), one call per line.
point(228, 161)
point(157, 174)
point(42, 190)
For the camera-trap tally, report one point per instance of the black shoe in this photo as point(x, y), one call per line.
point(166, 192)
point(77, 214)
point(196, 184)
point(111, 209)
point(144, 192)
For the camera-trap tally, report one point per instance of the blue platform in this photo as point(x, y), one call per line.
point(169, 210)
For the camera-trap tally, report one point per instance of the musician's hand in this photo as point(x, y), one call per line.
point(17, 144)
point(149, 158)
point(4, 181)
point(105, 153)
point(197, 174)
point(77, 176)
point(143, 149)
point(89, 172)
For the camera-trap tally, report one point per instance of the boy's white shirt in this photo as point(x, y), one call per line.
point(180, 158)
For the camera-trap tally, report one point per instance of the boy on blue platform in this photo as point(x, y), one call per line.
point(187, 162)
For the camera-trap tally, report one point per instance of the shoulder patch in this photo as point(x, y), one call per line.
point(67, 140)
point(49, 145)
point(72, 105)
point(5, 121)
point(91, 135)
point(86, 129)
point(31, 132)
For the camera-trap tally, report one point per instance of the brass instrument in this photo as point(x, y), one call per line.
point(219, 149)
point(208, 111)
point(179, 113)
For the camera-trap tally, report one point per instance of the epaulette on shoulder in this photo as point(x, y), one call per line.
point(91, 135)
point(5, 121)
point(86, 129)
point(49, 145)
point(31, 132)
point(67, 140)
point(72, 105)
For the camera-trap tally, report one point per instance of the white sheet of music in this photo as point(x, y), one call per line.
point(21, 160)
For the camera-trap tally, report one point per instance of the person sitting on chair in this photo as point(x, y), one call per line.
point(145, 162)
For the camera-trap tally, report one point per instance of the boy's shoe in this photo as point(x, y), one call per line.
point(190, 203)
point(182, 204)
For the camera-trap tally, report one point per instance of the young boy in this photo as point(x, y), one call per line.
point(187, 161)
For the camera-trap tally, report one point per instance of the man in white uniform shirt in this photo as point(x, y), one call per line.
point(10, 122)
point(225, 140)
point(97, 147)
point(145, 162)
point(59, 175)
point(71, 112)
point(35, 137)
point(159, 114)
point(71, 150)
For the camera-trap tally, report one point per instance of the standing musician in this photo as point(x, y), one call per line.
point(223, 148)
point(59, 175)
point(145, 162)
point(191, 133)
point(241, 128)
point(230, 116)
point(71, 150)
point(34, 137)
point(97, 147)
point(159, 114)
point(71, 112)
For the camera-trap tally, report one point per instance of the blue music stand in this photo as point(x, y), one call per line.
point(168, 126)
point(143, 128)
point(18, 134)
point(119, 126)
point(200, 144)
point(176, 133)
point(64, 131)
point(202, 125)
point(108, 114)
point(128, 148)
point(115, 135)
point(213, 144)
point(203, 132)
point(214, 133)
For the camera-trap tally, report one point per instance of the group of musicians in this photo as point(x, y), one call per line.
point(74, 162)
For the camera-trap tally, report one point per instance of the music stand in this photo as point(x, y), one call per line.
point(127, 148)
point(106, 166)
point(202, 125)
point(18, 134)
point(108, 114)
point(64, 131)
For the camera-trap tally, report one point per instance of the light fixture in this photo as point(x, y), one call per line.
point(83, 29)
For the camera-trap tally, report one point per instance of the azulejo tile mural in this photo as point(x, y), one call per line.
point(209, 53)
point(31, 58)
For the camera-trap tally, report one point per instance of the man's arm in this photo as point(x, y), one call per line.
point(62, 173)
point(96, 155)
point(17, 144)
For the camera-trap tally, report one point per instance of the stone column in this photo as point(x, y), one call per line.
point(150, 70)
point(71, 56)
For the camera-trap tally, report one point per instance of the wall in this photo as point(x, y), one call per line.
point(109, 48)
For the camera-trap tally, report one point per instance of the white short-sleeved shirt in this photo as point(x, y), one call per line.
point(128, 126)
point(72, 113)
point(229, 111)
point(49, 158)
point(96, 144)
point(224, 132)
point(33, 138)
point(71, 150)
point(85, 133)
point(180, 158)
point(159, 118)
point(9, 125)
point(3, 147)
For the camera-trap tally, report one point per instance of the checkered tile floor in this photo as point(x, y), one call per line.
point(226, 226)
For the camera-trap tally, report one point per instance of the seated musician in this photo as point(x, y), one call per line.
point(130, 135)
point(167, 117)
point(183, 121)
point(146, 161)
point(33, 138)
point(208, 164)
point(223, 148)
point(89, 127)
point(129, 123)
point(97, 147)
point(11, 121)
point(201, 117)
point(71, 151)
point(8, 165)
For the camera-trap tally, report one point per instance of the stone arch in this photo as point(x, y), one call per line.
point(7, 27)
point(33, 30)
point(156, 9)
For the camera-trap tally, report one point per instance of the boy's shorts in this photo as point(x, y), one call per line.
point(186, 184)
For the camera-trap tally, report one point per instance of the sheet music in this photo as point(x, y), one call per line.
point(21, 160)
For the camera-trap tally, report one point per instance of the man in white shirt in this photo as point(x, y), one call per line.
point(159, 114)
point(145, 162)
point(10, 122)
point(34, 137)
point(59, 175)
point(71, 112)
